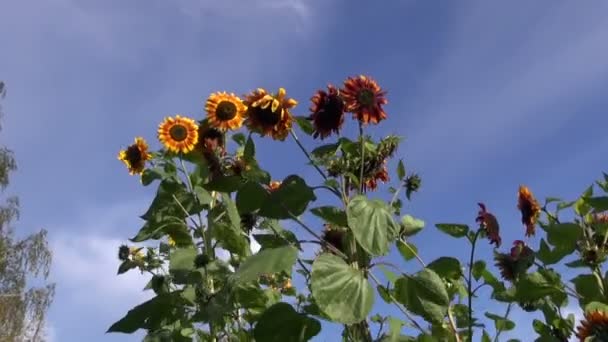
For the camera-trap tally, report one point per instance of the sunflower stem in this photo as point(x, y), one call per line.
point(499, 330)
point(470, 284)
point(361, 182)
point(295, 137)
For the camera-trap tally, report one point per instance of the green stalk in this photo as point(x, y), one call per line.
point(470, 284)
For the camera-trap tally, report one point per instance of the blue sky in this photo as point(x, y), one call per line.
point(488, 94)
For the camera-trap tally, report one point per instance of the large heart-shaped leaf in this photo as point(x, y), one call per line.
point(341, 291)
point(268, 261)
point(372, 224)
point(291, 198)
point(281, 323)
point(423, 294)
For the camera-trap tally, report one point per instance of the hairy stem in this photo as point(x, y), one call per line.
point(470, 284)
point(295, 138)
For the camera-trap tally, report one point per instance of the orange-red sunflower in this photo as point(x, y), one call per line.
point(210, 139)
point(135, 156)
point(364, 98)
point(274, 186)
point(530, 209)
point(372, 182)
point(490, 224)
point(594, 325)
point(268, 114)
point(225, 111)
point(327, 112)
point(178, 134)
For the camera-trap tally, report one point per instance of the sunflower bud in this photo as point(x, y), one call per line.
point(201, 260)
point(412, 184)
point(123, 252)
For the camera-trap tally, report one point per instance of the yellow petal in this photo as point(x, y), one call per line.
point(275, 105)
point(281, 93)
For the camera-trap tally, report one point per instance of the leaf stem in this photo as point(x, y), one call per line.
point(453, 324)
point(402, 309)
point(361, 182)
point(499, 330)
point(295, 137)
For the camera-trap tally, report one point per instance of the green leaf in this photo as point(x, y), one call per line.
point(281, 323)
point(423, 294)
point(486, 337)
point(325, 151)
point(284, 238)
point(384, 293)
point(400, 170)
point(146, 315)
point(551, 256)
point(372, 224)
point(408, 251)
point(231, 238)
point(239, 138)
point(305, 125)
point(563, 235)
point(152, 174)
point(598, 203)
point(331, 215)
point(446, 267)
point(268, 261)
point(249, 151)
point(291, 198)
point(411, 226)
point(342, 292)
point(390, 275)
point(534, 286)
point(587, 286)
point(452, 229)
point(394, 329)
point(203, 196)
point(500, 323)
point(478, 267)
point(250, 197)
point(225, 184)
point(182, 259)
point(126, 266)
point(231, 210)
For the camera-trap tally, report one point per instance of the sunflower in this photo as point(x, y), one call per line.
point(334, 236)
point(178, 134)
point(210, 138)
point(269, 114)
point(594, 325)
point(327, 112)
point(372, 182)
point(274, 186)
point(490, 224)
point(170, 242)
point(514, 264)
point(530, 209)
point(364, 98)
point(225, 111)
point(135, 156)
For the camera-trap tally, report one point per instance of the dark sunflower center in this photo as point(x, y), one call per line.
point(178, 133)
point(134, 155)
point(366, 97)
point(269, 118)
point(600, 331)
point(225, 111)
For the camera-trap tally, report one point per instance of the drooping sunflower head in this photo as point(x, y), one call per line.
point(210, 139)
point(334, 236)
point(380, 175)
point(364, 98)
point(225, 111)
point(135, 156)
point(269, 114)
point(489, 223)
point(327, 112)
point(506, 265)
point(178, 134)
point(595, 324)
point(530, 209)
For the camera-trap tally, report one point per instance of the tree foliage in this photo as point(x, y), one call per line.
point(22, 307)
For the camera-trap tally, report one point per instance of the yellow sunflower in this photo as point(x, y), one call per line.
point(225, 111)
point(135, 156)
point(594, 325)
point(268, 114)
point(530, 209)
point(178, 134)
